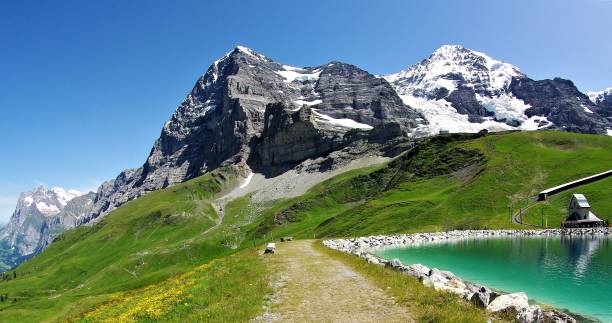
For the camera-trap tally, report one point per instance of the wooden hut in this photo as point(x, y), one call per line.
point(579, 214)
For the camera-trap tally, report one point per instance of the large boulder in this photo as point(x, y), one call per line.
point(417, 270)
point(394, 263)
point(479, 299)
point(509, 302)
point(435, 279)
point(530, 314)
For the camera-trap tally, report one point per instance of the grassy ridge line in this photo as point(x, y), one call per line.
point(425, 304)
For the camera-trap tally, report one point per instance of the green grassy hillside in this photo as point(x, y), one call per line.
point(554, 209)
point(448, 182)
point(152, 238)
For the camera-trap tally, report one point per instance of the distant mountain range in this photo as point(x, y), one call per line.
point(40, 216)
point(267, 118)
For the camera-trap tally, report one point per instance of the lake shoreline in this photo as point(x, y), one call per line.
point(477, 294)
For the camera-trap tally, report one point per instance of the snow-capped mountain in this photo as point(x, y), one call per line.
point(603, 100)
point(600, 96)
point(461, 90)
point(40, 215)
point(250, 110)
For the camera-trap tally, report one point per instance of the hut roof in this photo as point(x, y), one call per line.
point(582, 201)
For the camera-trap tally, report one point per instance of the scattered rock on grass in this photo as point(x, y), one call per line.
point(270, 248)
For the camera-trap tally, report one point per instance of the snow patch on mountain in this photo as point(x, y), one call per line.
point(292, 74)
point(535, 123)
point(505, 106)
point(346, 123)
point(47, 209)
point(64, 196)
point(308, 103)
point(598, 96)
point(28, 200)
point(443, 117)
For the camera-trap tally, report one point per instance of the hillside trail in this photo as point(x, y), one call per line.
point(311, 286)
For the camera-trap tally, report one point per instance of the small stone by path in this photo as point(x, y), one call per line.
point(310, 286)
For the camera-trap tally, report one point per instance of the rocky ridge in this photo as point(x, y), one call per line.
point(39, 217)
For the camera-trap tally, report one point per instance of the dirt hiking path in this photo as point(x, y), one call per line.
point(311, 286)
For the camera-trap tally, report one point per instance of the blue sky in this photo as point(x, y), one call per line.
point(85, 86)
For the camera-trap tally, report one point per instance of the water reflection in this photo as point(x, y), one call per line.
point(580, 251)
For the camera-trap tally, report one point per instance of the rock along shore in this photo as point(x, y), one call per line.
point(479, 295)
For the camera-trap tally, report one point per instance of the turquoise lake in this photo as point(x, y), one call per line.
point(571, 273)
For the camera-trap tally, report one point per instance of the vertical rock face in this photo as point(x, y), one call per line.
point(222, 121)
point(292, 135)
point(349, 92)
point(39, 217)
point(461, 90)
point(561, 103)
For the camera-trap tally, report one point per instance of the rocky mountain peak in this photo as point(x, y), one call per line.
point(600, 96)
point(222, 120)
point(603, 102)
point(462, 90)
point(40, 215)
point(453, 66)
point(47, 201)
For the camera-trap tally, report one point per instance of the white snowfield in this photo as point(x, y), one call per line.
point(346, 123)
point(598, 96)
point(308, 103)
point(64, 196)
point(442, 116)
point(505, 106)
point(291, 74)
point(28, 200)
point(587, 110)
point(47, 209)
